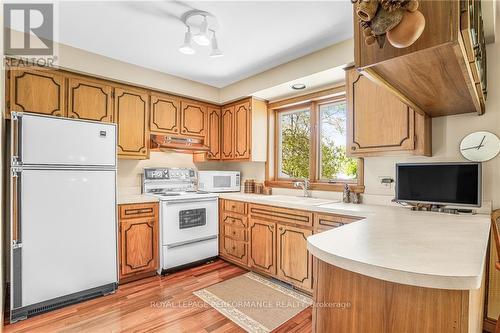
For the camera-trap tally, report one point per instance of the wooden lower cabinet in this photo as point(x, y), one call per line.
point(262, 254)
point(294, 262)
point(262, 238)
point(138, 240)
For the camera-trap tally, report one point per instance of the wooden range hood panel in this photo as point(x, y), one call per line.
point(178, 144)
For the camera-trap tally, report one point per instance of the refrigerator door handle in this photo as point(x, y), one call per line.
point(16, 138)
point(16, 239)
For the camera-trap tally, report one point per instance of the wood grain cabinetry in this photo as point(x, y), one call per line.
point(214, 133)
point(38, 91)
point(273, 240)
point(436, 73)
point(379, 123)
point(262, 254)
point(194, 119)
point(294, 262)
point(227, 146)
point(131, 115)
point(242, 130)
point(89, 99)
point(165, 114)
point(138, 241)
point(233, 229)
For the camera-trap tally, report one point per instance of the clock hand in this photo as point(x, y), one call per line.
point(481, 144)
point(475, 147)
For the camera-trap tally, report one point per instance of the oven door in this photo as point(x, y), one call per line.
point(187, 221)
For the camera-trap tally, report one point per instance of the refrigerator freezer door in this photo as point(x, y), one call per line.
point(68, 233)
point(57, 141)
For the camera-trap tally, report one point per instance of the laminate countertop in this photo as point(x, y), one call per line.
point(135, 198)
point(425, 249)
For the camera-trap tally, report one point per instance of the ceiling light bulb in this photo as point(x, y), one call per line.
point(187, 47)
point(216, 52)
point(202, 37)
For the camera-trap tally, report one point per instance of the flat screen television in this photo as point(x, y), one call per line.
point(456, 184)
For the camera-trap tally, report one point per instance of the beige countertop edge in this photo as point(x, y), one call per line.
point(397, 276)
point(135, 199)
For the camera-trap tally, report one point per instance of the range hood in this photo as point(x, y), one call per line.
point(179, 144)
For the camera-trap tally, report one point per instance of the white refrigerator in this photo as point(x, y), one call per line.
point(63, 212)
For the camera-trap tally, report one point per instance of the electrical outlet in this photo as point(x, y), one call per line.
point(385, 182)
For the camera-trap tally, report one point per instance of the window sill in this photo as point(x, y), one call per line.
point(317, 186)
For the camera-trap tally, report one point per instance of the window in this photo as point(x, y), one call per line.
point(294, 145)
point(334, 164)
point(311, 143)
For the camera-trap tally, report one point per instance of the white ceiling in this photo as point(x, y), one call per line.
point(254, 35)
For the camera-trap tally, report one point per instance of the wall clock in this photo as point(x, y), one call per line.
point(480, 146)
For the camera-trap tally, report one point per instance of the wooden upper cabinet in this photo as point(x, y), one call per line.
point(38, 91)
point(435, 73)
point(380, 123)
point(242, 130)
point(165, 114)
point(194, 119)
point(262, 254)
point(90, 100)
point(227, 146)
point(131, 115)
point(294, 263)
point(214, 133)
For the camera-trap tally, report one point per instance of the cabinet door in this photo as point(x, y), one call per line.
point(242, 130)
point(227, 133)
point(165, 114)
point(131, 115)
point(38, 91)
point(194, 119)
point(294, 261)
point(262, 253)
point(377, 120)
point(234, 250)
point(214, 134)
point(138, 246)
point(88, 99)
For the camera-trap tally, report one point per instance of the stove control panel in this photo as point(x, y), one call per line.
point(169, 174)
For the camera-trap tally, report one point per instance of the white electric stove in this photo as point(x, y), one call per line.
point(188, 218)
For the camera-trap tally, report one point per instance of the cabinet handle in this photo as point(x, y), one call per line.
point(234, 232)
point(234, 221)
point(234, 247)
point(353, 148)
point(281, 228)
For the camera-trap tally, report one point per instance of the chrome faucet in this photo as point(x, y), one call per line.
point(304, 185)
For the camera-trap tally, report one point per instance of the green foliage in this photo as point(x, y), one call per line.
point(296, 143)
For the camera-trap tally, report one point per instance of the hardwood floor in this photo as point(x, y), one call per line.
point(156, 304)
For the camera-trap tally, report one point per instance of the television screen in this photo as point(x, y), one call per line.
point(456, 184)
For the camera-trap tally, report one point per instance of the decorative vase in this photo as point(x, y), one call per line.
point(408, 30)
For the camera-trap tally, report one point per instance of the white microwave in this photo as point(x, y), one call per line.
point(219, 181)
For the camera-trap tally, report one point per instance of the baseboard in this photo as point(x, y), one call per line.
point(489, 325)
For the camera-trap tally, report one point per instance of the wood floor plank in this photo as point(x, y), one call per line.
point(154, 304)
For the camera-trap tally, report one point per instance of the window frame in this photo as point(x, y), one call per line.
point(314, 157)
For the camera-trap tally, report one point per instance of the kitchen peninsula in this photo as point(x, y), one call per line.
point(401, 271)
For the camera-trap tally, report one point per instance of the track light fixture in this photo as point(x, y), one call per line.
point(199, 24)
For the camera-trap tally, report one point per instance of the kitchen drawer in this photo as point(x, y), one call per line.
point(235, 206)
point(328, 221)
point(234, 220)
point(235, 250)
point(279, 214)
point(133, 211)
point(235, 232)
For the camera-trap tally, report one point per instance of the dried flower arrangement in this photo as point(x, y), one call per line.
point(398, 21)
